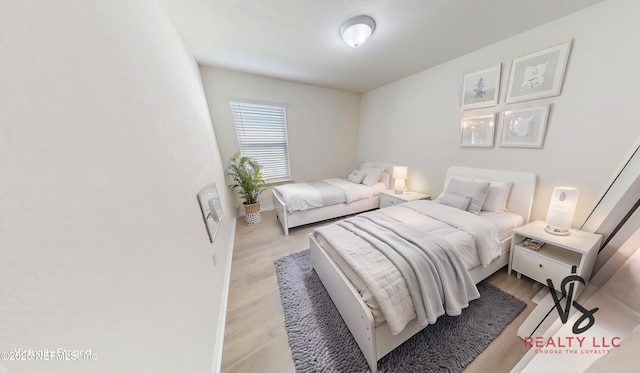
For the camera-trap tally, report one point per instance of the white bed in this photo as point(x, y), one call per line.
point(376, 339)
point(290, 219)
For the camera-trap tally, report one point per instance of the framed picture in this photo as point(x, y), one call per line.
point(211, 209)
point(524, 127)
point(538, 74)
point(480, 89)
point(478, 131)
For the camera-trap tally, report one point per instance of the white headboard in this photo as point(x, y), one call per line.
point(521, 195)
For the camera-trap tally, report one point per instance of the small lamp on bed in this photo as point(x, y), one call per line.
point(561, 210)
point(400, 175)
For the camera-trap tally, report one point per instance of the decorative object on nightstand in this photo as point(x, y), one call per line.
point(390, 198)
point(400, 175)
point(561, 209)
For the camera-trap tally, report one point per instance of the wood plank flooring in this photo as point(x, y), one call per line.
point(255, 337)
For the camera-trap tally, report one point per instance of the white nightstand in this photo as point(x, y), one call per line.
point(390, 198)
point(555, 259)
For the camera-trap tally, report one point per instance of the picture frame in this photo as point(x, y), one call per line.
point(477, 131)
point(481, 88)
point(211, 209)
point(539, 74)
point(524, 127)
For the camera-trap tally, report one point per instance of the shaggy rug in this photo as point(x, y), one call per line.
point(321, 342)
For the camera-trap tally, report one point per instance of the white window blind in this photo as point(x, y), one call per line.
point(262, 135)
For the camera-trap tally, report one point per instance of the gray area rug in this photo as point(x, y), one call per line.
point(321, 342)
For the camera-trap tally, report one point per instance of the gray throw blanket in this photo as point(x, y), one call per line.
point(437, 280)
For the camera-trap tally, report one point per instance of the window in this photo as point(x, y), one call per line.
point(262, 135)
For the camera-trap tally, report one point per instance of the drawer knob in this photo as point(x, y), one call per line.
point(540, 265)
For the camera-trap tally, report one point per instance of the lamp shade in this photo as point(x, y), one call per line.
point(357, 30)
point(399, 172)
point(561, 210)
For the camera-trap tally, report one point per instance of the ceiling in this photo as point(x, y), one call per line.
point(298, 40)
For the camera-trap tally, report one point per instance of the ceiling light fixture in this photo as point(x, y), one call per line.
point(357, 30)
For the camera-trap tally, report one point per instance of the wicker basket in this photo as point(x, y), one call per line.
point(252, 214)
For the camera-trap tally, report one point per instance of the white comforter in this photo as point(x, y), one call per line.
point(304, 196)
point(473, 239)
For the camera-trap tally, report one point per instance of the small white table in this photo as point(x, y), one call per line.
point(556, 258)
point(390, 198)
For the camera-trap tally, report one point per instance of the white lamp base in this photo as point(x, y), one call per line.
point(399, 186)
point(557, 231)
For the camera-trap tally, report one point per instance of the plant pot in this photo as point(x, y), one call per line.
point(252, 214)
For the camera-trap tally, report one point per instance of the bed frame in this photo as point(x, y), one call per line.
point(376, 342)
point(297, 218)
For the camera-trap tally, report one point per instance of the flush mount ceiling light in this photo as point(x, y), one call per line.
point(357, 30)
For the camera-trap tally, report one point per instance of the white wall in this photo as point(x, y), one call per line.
point(322, 123)
point(592, 124)
point(105, 140)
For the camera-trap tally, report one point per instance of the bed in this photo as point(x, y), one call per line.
point(305, 210)
point(377, 337)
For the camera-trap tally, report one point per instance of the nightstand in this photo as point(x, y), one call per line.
point(555, 259)
point(390, 198)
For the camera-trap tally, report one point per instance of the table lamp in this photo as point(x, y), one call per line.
point(400, 175)
point(561, 209)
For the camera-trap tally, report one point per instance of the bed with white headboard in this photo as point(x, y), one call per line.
point(290, 219)
point(376, 338)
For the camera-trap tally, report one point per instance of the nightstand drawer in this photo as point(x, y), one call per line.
point(386, 201)
point(538, 267)
point(389, 198)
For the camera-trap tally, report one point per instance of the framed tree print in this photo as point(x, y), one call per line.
point(538, 74)
point(480, 89)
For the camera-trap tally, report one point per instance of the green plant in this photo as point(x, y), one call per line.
point(247, 176)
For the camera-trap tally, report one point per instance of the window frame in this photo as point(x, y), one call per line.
point(278, 133)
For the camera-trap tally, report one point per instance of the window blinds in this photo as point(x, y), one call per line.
point(261, 131)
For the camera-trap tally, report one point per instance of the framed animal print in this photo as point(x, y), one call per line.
point(538, 74)
point(524, 127)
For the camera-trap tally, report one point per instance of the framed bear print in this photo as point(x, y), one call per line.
point(538, 74)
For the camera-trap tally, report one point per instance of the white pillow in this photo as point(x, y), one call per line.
point(497, 196)
point(462, 178)
point(373, 175)
point(455, 201)
point(477, 191)
point(356, 176)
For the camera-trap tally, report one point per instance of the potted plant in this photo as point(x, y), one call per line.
point(248, 181)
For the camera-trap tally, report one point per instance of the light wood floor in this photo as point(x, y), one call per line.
point(255, 337)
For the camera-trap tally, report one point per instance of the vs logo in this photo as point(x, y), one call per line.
point(587, 315)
